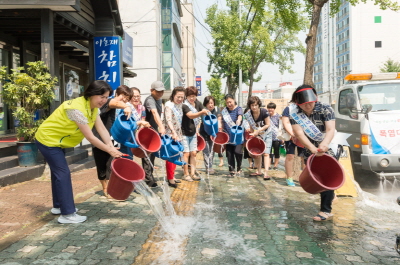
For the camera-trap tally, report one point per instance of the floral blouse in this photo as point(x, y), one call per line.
point(77, 116)
point(171, 115)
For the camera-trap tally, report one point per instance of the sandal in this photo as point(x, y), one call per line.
point(320, 218)
point(267, 178)
point(256, 174)
point(187, 178)
point(194, 177)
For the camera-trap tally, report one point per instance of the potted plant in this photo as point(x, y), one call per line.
point(26, 90)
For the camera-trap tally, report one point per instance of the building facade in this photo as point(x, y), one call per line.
point(188, 38)
point(60, 33)
point(358, 39)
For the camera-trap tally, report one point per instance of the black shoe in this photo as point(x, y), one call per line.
point(177, 181)
point(154, 185)
point(173, 185)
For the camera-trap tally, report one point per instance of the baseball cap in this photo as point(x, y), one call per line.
point(158, 85)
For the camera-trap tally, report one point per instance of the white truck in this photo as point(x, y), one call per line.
point(367, 109)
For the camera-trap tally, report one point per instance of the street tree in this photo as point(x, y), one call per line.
point(390, 66)
point(260, 35)
point(214, 85)
point(314, 7)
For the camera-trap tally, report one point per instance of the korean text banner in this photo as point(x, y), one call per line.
point(107, 60)
point(385, 132)
point(198, 85)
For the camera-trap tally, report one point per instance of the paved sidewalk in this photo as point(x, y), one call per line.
point(220, 220)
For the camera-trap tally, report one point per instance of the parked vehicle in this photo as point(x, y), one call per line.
point(367, 108)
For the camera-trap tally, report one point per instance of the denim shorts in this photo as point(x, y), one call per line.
point(189, 143)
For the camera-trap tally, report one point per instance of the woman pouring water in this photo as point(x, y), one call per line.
point(232, 115)
point(257, 122)
point(192, 111)
point(313, 124)
point(173, 122)
point(66, 127)
point(208, 154)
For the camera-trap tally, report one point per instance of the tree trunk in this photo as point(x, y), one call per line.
point(311, 41)
point(251, 82)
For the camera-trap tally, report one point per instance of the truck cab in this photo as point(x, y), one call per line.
point(366, 100)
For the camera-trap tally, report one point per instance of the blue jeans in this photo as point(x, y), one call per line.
point(61, 184)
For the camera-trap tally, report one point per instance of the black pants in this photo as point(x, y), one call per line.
point(326, 200)
point(234, 152)
point(148, 169)
point(103, 162)
point(275, 146)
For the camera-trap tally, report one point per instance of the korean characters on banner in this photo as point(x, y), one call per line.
point(385, 132)
point(107, 51)
point(198, 85)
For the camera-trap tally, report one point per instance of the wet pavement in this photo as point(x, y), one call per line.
point(220, 220)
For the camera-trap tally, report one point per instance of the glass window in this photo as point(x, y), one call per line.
point(378, 19)
point(343, 106)
point(378, 44)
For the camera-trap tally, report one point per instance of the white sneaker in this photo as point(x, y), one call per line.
point(71, 219)
point(56, 211)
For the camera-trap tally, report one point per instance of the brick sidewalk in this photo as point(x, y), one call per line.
point(220, 220)
point(25, 206)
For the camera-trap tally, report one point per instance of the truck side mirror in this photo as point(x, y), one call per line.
point(351, 101)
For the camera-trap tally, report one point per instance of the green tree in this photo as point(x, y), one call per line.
point(214, 86)
point(261, 35)
point(390, 66)
point(314, 8)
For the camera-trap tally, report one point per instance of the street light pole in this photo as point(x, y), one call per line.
point(240, 67)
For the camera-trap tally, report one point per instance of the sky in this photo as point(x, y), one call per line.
point(270, 73)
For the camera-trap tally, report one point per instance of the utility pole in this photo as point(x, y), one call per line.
point(240, 99)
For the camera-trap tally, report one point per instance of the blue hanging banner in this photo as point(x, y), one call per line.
point(198, 85)
point(107, 60)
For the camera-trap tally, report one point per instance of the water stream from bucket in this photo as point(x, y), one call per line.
point(172, 247)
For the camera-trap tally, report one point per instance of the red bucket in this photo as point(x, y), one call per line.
point(219, 142)
point(322, 173)
point(123, 173)
point(255, 146)
point(149, 140)
point(201, 143)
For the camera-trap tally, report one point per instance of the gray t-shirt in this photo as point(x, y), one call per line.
point(149, 104)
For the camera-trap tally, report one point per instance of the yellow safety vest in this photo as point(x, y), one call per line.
point(59, 131)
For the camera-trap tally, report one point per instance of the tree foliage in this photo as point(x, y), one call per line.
point(314, 8)
point(390, 66)
point(214, 86)
point(264, 33)
point(26, 90)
